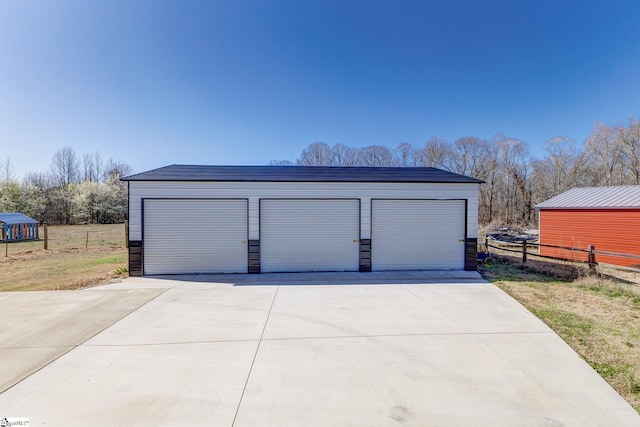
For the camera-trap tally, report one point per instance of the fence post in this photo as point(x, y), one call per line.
point(86, 246)
point(524, 251)
point(46, 236)
point(592, 257)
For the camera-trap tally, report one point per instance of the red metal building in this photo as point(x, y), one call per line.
point(606, 217)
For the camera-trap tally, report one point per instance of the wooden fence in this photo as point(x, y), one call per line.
point(591, 253)
point(80, 237)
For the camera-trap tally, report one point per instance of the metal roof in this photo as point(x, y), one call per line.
point(299, 174)
point(16, 218)
point(626, 196)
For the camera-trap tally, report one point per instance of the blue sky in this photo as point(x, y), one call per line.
point(243, 82)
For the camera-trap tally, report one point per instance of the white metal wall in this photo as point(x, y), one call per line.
point(309, 235)
point(418, 235)
point(195, 236)
point(257, 190)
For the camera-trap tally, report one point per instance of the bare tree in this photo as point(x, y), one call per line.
point(39, 179)
point(344, 156)
point(492, 174)
point(562, 156)
point(403, 155)
point(280, 163)
point(513, 155)
point(116, 169)
point(316, 154)
point(541, 179)
point(435, 153)
point(375, 156)
point(7, 171)
point(467, 154)
point(629, 137)
point(64, 166)
point(605, 156)
point(514, 182)
point(92, 167)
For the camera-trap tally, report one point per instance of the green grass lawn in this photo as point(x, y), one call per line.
point(71, 262)
point(599, 318)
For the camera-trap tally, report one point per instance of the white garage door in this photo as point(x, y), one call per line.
point(309, 235)
point(195, 236)
point(417, 235)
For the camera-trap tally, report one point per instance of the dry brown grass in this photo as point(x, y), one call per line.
point(68, 264)
point(599, 318)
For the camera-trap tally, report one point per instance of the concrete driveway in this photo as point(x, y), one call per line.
point(335, 349)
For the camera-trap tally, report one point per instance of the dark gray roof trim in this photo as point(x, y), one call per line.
point(299, 174)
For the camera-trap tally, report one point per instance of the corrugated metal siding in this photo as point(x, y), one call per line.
point(256, 190)
point(614, 230)
point(195, 236)
point(418, 235)
point(309, 235)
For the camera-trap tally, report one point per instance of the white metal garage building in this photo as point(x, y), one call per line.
point(253, 219)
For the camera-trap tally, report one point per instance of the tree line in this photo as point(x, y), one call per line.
point(75, 189)
point(515, 181)
point(87, 188)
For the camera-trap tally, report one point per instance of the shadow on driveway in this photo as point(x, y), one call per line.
point(329, 278)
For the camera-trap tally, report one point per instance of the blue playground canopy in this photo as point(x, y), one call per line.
point(15, 226)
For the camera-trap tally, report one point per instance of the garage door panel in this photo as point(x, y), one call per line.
point(418, 234)
point(195, 236)
point(309, 235)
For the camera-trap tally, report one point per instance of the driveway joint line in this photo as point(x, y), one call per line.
point(73, 347)
point(255, 355)
point(37, 347)
point(172, 343)
point(413, 293)
point(436, 334)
